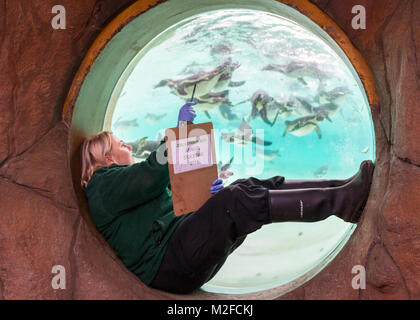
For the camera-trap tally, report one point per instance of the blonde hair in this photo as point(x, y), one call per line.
point(94, 150)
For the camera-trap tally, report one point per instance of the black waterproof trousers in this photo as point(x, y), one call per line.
point(202, 242)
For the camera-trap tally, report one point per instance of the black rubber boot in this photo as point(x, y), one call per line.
point(320, 183)
point(315, 204)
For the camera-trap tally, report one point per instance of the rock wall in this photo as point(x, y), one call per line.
point(386, 241)
point(41, 221)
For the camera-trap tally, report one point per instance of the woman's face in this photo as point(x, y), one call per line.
point(121, 153)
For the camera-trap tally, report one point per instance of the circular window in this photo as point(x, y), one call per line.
point(274, 72)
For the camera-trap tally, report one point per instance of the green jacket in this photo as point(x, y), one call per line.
point(131, 205)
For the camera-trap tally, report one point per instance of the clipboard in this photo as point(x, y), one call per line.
point(192, 165)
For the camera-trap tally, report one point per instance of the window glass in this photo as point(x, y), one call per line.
point(308, 114)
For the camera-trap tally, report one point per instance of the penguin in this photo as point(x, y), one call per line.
point(204, 82)
point(303, 126)
point(124, 125)
point(261, 105)
point(223, 169)
point(267, 155)
point(221, 49)
point(210, 96)
point(327, 110)
point(225, 79)
point(301, 107)
point(298, 70)
point(285, 107)
point(142, 148)
point(244, 135)
point(336, 96)
point(153, 118)
point(225, 174)
point(321, 171)
point(210, 103)
point(225, 111)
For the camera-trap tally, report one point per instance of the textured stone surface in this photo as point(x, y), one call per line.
point(100, 273)
point(44, 167)
point(35, 235)
point(400, 223)
point(386, 241)
point(383, 278)
point(44, 224)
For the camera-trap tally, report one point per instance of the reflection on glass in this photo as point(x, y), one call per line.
point(282, 102)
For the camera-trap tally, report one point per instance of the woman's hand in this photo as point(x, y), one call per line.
point(217, 185)
point(187, 112)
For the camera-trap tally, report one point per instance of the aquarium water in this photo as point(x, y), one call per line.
point(313, 85)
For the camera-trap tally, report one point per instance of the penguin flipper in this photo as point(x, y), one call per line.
point(268, 143)
point(227, 113)
point(263, 115)
point(305, 104)
point(207, 114)
point(266, 121)
point(318, 132)
point(261, 142)
point(301, 80)
point(275, 118)
point(236, 104)
point(228, 103)
point(233, 84)
point(287, 122)
point(221, 94)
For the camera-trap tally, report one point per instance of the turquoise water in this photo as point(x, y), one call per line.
point(254, 40)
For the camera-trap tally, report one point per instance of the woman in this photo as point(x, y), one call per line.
point(131, 205)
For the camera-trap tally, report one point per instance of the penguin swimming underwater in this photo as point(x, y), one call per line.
point(124, 125)
point(336, 96)
point(299, 70)
point(223, 169)
point(303, 126)
point(211, 103)
point(225, 80)
point(301, 107)
point(244, 135)
point(326, 111)
point(152, 118)
point(142, 148)
point(216, 80)
point(184, 88)
point(203, 82)
point(285, 107)
point(267, 155)
point(321, 171)
point(225, 111)
point(261, 104)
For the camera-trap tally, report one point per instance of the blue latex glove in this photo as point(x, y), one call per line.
point(216, 186)
point(187, 112)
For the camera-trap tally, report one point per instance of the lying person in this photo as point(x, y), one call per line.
point(131, 205)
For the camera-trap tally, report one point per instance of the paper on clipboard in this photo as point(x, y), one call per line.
point(191, 153)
